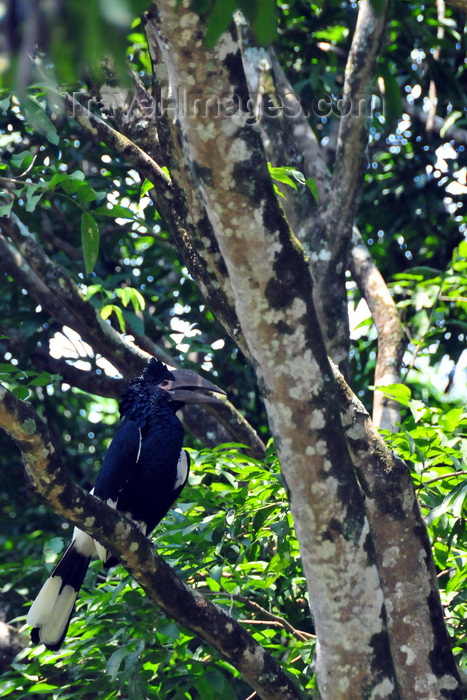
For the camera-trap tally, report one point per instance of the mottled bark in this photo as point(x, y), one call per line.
point(352, 138)
point(19, 420)
point(289, 140)
point(420, 643)
point(273, 300)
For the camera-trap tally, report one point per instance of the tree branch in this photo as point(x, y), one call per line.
point(391, 337)
point(19, 420)
point(180, 204)
point(352, 137)
point(252, 605)
point(51, 285)
point(122, 145)
point(289, 140)
point(424, 663)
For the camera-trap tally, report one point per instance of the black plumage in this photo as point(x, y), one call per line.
point(143, 473)
point(150, 441)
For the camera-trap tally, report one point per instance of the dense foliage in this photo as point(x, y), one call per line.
point(231, 534)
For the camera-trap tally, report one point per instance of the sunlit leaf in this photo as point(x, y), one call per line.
point(38, 119)
point(89, 241)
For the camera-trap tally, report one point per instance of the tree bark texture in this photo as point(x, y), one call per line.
point(273, 299)
point(420, 644)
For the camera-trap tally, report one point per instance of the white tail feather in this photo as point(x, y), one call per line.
point(50, 613)
point(57, 622)
point(42, 608)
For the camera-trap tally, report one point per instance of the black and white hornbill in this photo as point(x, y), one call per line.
point(144, 471)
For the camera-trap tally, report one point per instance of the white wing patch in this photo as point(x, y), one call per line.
point(84, 543)
point(139, 446)
point(183, 466)
point(102, 552)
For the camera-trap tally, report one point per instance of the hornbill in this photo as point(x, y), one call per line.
point(144, 471)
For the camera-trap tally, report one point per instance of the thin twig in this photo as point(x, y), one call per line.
point(440, 478)
point(122, 144)
point(302, 636)
point(276, 623)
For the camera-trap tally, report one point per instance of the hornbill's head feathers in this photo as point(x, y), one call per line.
point(156, 372)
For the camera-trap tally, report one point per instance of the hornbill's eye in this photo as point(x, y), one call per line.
point(165, 384)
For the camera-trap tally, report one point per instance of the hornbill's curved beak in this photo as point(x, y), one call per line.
point(188, 387)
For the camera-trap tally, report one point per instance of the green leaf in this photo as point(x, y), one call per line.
point(7, 367)
point(262, 15)
point(451, 420)
point(169, 629)
point(278, 192)
point(42, 379)
point(453, 503)
point(21, 392)
point(462, 249)
point(109, 309)
point(22, 160)
point(399, 392)
point(219, 20)
point(115, 211)
point(450, 121)
point(89, 241)
point(38, 119)
point(145, 187)
point(130, 294)
point(282, 174)
point(57, 179)
point(311, 184)
point(32, 195)
point(52, 549)
point(133, 657)
point(135, 322)
point(82, 189)
point(115, 661)
point(392, 96)
point(5, 209)
point(41, 688)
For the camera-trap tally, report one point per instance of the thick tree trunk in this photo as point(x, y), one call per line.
point(272, 289)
